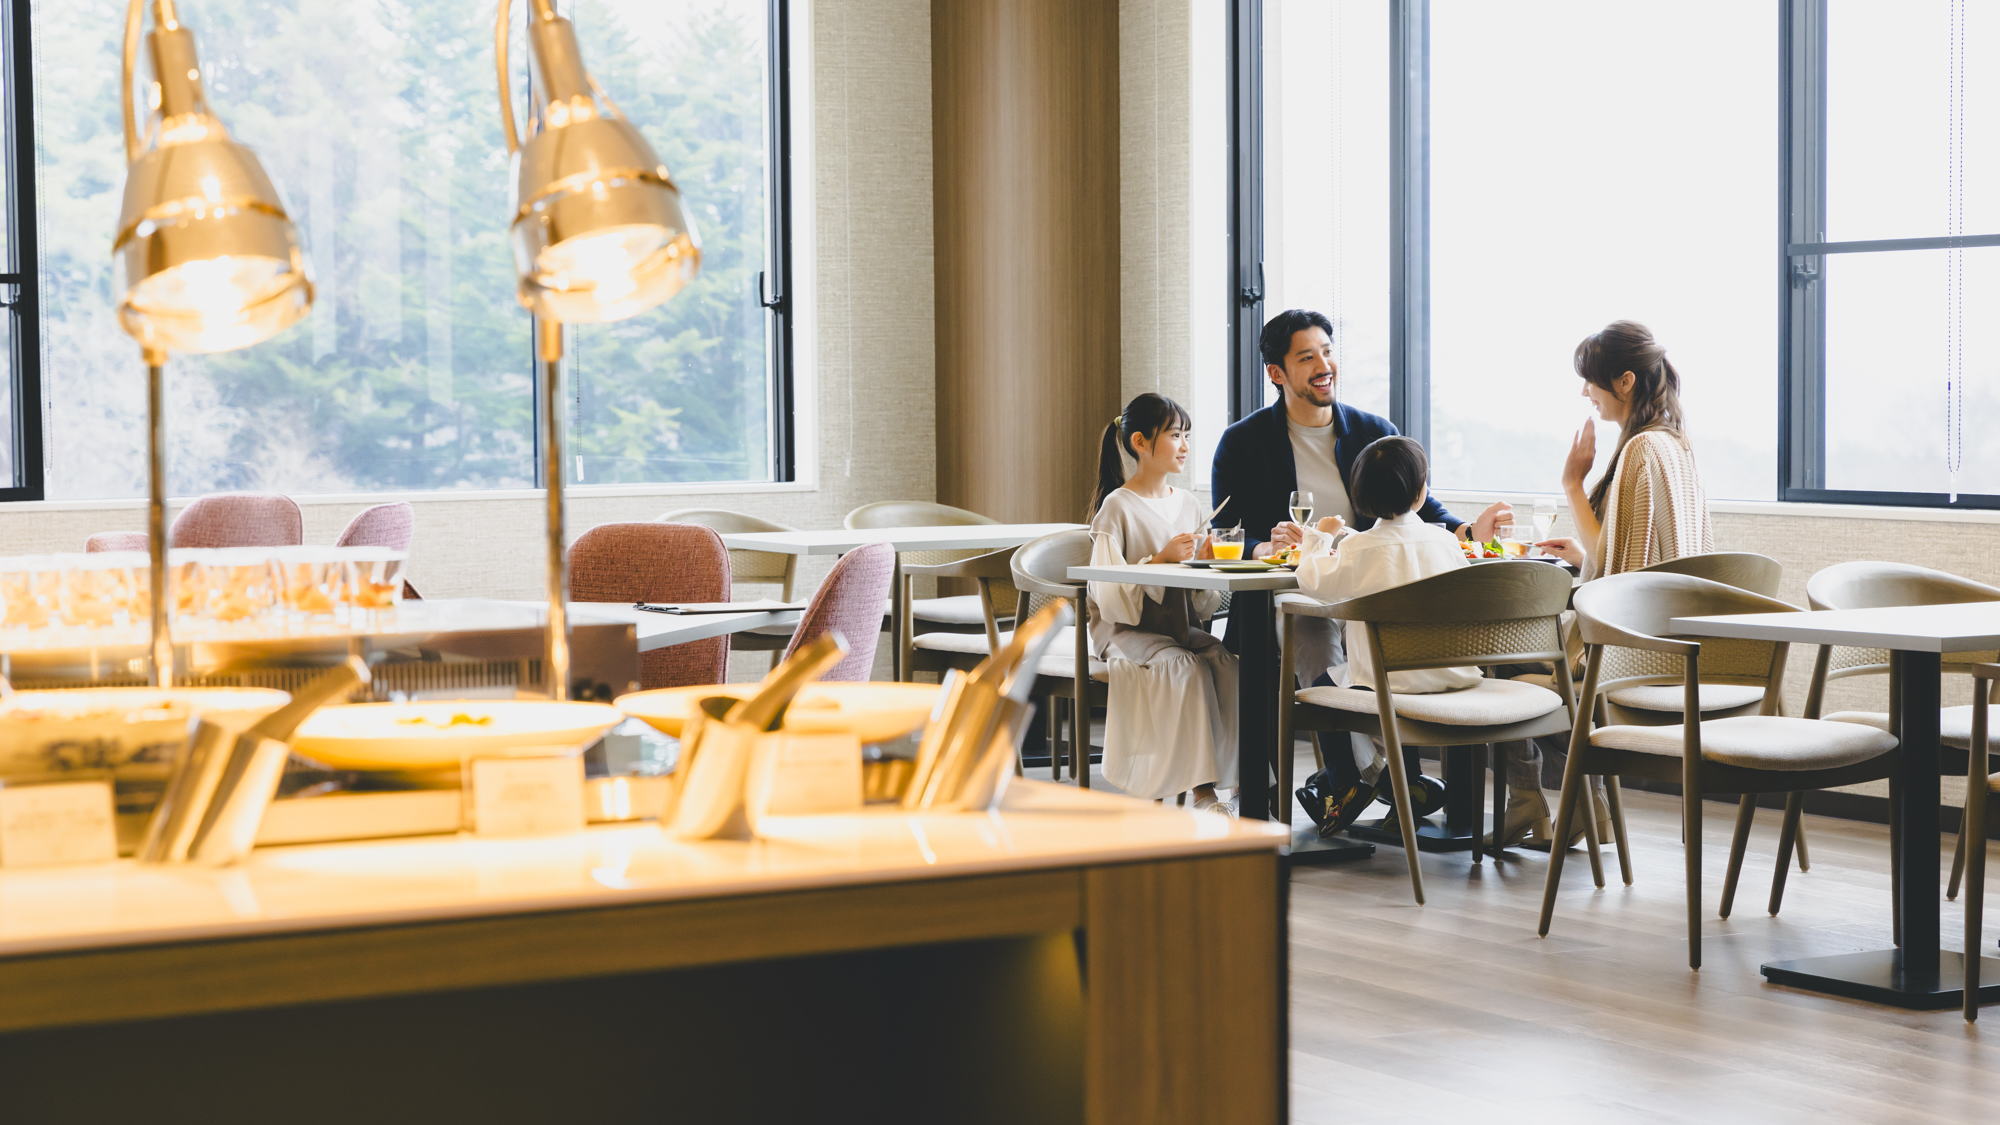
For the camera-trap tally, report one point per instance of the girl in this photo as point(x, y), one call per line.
point(1171, 724)
point(1390, 483)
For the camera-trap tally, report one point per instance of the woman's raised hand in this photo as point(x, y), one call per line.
point(1582, 453)
point(1178, 549)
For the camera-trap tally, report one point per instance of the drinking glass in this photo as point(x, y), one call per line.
point(1301, 505)
point(375, 582)
point(241, 589)
point(311, 584)
point(1545, 518)
point(1227, 543)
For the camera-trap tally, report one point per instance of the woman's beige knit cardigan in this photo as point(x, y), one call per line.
point(1656, 509)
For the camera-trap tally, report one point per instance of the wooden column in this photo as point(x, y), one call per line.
point(1024, 104)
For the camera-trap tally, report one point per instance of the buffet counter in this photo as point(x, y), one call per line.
point(1072, 957)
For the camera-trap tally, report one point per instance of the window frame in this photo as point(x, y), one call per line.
point(1799, 464)
point(20, 270)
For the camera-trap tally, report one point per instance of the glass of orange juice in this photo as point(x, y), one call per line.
point(1227, 542)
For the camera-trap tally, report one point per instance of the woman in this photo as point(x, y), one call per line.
point(1648, 507)
point(1170, 725)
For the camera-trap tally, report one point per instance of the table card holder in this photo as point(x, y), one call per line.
point(805, 775)
point(221, 785)
point(58, 819)
point(722, 737)
point(957, 761)
point(523, 794)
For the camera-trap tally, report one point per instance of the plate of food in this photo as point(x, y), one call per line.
point(441, 734)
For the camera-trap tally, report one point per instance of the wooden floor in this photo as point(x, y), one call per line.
point(1456, 1009)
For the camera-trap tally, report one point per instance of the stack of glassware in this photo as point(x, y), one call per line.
point(103, 598)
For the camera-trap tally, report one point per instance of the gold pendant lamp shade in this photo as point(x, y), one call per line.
point(598, 229)
point(211, 260)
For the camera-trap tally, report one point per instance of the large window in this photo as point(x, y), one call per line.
point(1553, 166)
point(379, 123)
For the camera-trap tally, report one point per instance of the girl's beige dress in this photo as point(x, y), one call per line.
point(1171, 724)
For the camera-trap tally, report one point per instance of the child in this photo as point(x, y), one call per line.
point(1389, 487)
point(1171, 724)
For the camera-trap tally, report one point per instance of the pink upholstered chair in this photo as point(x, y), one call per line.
point(116, 541)
point(659, 562)
point(239, 519)
point(850, 602)
point(384, 525)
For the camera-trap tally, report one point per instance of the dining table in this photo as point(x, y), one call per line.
point(931, 537)
point(1915, 973)
point(1253, 631)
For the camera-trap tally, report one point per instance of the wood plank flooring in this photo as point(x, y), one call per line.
point(1456, 1008)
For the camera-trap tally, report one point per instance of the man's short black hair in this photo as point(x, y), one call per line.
point(1275, 342)
point(1388, 476)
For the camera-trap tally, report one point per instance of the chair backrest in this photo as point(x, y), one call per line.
point(1495, 613)
point(1041, 568)
point(1872, 585)
point(239, 519)
point(911, 513)
point(745, 566)
point(384, 525)
point(116, 541)
point(1745, 570)
point(849, 602)
point(657, 562)
point(1614, 611)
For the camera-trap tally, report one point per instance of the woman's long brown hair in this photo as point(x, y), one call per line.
point(1655, 404)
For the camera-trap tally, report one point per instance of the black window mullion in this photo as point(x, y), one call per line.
point(1246, 207)
point(23, 264)
point(1410, 218)
point(784, 395)
point(1802, 347)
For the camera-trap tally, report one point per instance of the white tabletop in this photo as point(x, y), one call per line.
point(661, 630)
point(1186, 577)
point(336, 886)
point(956, 537)
point(1973, 627)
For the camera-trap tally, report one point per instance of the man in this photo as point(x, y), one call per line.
point(1307, 441)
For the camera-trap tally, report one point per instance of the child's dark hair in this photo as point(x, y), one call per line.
point(1148, 414)
point(1389, 475)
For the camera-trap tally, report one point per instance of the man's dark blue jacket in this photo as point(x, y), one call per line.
point(1254, 468)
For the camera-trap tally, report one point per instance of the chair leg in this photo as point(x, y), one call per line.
point(1799, 839)
point(1788, 837)
point(1957, 865)
point(1400, 783)
point(1479, 755)
point(1054, 732)
point(1616, 796)
point(1746, 811)
point(1287, 750)
point(1691, 825)
point(1573, 782)
point(1499, 764)
point(1592, 845)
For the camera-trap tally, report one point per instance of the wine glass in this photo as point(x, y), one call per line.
point(1545, 517)
point(1301, 505)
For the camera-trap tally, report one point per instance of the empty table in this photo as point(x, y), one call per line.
point(1918, 974)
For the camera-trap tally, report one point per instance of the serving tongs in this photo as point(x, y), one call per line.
point(221, 786)
point(721, 737)
point(967, 753)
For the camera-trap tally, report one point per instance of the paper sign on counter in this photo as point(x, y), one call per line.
point(57, 822)
point(525, 796)
point(804, 774)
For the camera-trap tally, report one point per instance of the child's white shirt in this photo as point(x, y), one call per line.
point(1393, 553)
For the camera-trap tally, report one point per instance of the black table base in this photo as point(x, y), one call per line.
point(1308, 849)
point(1431, 836)
point(1881, 977)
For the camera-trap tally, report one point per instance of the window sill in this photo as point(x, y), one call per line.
point(1776, 508)
point(573, 494)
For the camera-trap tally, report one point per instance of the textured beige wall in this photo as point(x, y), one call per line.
point(871, 353)
point(1153, 154)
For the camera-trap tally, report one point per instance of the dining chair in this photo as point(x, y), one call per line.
point(957, 613)
point(384, 525)
point(1483, 616)
point(1870, 585)
point(773, 568)
point(1732, 755)
point(657, 562)
point(1973, 831)
point(238, 519)
point(1072, 681)
point(849, 602)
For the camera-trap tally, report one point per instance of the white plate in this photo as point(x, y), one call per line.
point(442, 734)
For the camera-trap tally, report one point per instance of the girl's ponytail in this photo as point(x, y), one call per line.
point(1110, 465)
